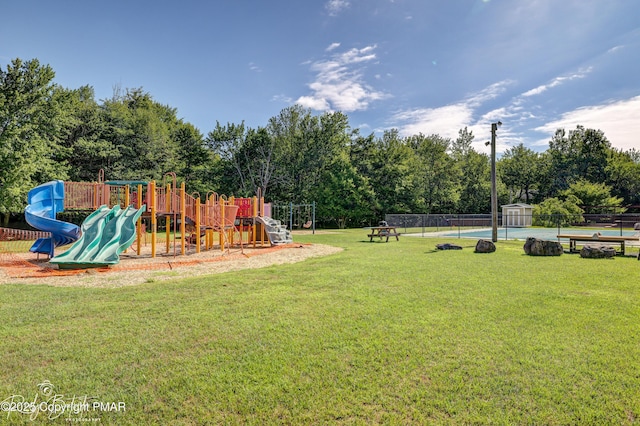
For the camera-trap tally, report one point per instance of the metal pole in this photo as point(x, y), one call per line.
point(620, 225)
point(313, 219)
point(290, 216)
point(506, 228)
point(494, 187)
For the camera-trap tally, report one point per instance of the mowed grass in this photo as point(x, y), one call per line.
point(392, 332)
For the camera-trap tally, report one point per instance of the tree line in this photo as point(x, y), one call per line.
point(51, 132)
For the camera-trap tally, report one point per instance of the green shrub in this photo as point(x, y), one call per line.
point(553, 212)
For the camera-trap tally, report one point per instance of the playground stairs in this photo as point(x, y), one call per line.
point(276, 231)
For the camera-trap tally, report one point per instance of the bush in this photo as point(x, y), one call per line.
point(553, 212)
point(73, 216)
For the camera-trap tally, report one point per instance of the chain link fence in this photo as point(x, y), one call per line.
point(442, 222)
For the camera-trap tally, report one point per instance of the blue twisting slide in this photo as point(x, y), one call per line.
point(44, 202)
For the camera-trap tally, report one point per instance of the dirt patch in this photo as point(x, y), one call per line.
point(134, 269)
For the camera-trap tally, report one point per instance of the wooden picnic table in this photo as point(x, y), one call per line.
point(382, 232)
point(618, 239)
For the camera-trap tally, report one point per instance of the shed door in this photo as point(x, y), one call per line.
point(514, 217)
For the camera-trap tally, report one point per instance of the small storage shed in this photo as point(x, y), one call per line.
point(517, 215)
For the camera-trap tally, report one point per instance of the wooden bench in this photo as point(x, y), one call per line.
point(619, 239)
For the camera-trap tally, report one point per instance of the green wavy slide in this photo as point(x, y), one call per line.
point(106, 233)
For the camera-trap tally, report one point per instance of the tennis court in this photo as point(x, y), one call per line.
point(524, 233)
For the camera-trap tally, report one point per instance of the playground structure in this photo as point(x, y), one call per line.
point(122, 211)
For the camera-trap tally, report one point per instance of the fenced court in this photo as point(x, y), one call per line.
point(540, 233)
point(479, 227)
point(524, 233)
point(544, 226)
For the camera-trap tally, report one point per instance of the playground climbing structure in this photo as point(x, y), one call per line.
point(126, 212)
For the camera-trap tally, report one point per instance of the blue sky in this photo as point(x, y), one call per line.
point(430, 66)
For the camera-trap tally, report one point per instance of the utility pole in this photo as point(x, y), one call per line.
point(494, 187)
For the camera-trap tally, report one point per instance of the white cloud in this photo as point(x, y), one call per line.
point(556, 82)
point(316, 103)
point(332, 46)
point(449, 119)
point(536, 90)
point(504, 114)
point(334, 7)
point(282, 98)
point(444, 121)
point(339, 82)
point(615, 49)
point(254, 67)
point(488, 93)
point(619, 120)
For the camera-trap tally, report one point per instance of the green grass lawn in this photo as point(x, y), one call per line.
point(380, 333)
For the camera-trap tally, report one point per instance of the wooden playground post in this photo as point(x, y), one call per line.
point(127, 196)
point(98, 197)
point(221, 204)
point(127, 202)
point(232, 202)
point(254, 214)
point(95, 196)
point(151, 188)
point(198, 225)
point(261, 213)
point(183, 215)
point(139, 223)
point(167, 221)
point(207, 221)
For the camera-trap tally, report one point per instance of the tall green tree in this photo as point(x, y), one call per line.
point(434, 179)
point(328, 142)
point(580, 154)
point(387, 163)
point(249, 157)
point(307, 146)
point(345, 197)
point(395, 176)
point(623, 175)
point(559, 161)
point(519, 169)
point(473, 175)
point(140, 129)
point(87, 149)
point(29, 132)
point(197, 165)
point(227, 143)
point(593, 151)
point(475, 184)
point(462, 144)
point(293, 131)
